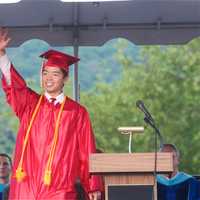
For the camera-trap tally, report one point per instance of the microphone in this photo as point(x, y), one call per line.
point(148, 119)
point(142, 107)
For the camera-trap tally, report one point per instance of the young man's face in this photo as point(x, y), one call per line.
point(5, 167)
point(53, 80)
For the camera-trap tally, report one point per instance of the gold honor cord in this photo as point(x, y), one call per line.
point(20, 173)
point(47, 174)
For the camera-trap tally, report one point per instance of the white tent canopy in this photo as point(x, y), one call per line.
point(94, 23)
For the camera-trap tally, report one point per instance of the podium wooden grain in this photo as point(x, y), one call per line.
point(130, 168)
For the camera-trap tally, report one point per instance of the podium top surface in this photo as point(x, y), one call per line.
point(130, 162)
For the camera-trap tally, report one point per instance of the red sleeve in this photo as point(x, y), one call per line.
point(87, 146)
point(17, 93)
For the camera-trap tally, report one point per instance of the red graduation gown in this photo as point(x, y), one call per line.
point(75, 143)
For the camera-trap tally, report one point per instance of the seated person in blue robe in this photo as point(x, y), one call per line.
point(5, 170)
point(177, 185)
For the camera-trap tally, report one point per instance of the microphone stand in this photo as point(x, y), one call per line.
point(149, 120)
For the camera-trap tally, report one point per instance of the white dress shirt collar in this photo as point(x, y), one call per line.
point(59, 98)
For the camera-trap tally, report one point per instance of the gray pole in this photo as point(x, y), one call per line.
point(76, 93)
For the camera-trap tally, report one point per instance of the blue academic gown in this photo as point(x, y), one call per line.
point(180, 187)
point(2, 187)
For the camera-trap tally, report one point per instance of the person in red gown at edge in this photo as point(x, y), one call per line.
point(54, 139)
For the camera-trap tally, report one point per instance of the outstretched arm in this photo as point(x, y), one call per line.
point(18, 95)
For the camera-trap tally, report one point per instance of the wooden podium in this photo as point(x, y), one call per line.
point(130, 174)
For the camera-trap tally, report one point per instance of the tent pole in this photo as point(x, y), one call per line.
point(76, 92)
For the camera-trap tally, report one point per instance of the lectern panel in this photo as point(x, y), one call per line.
point(130, 192)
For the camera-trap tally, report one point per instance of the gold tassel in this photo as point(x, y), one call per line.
point(47, 177)
point(20, 174)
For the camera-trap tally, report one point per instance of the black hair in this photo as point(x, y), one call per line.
point(7, 156)
point(65, 73)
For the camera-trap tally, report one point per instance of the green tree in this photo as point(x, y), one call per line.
point(167, 79)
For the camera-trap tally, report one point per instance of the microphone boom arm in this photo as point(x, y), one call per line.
point(156, 130)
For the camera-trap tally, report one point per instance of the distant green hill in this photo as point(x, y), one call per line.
point(97, 63)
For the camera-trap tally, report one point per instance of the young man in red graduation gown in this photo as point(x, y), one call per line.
point(55, 137)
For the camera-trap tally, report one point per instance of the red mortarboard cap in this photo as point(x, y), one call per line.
point(58, 59)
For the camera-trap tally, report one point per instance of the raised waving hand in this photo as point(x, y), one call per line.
point(4, 40)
